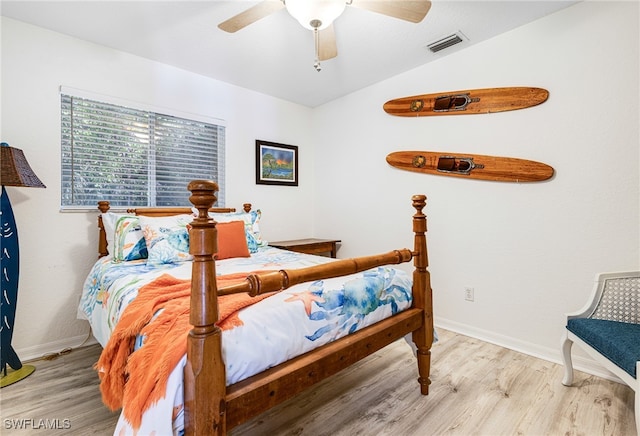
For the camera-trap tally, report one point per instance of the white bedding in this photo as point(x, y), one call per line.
point(278, 328)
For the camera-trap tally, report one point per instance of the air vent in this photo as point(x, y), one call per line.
point(445, 42)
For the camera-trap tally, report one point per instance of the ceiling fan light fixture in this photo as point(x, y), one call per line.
point(310, 12)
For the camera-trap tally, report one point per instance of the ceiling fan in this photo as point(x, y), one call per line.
point(318, 16)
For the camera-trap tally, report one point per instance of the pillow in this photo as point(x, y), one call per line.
point(167, 238)
point(109, 223)
point(128, 240)
point(251, 226)
point(124, 229)
point(231, 240)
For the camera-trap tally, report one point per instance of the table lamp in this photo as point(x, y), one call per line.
point(14, 171)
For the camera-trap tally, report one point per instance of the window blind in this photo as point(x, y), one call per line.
point(134, 157)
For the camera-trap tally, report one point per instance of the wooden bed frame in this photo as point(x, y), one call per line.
point(211, 407)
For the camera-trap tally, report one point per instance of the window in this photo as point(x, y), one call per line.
point(134, 157)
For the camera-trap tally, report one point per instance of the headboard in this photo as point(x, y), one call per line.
point(104, 207)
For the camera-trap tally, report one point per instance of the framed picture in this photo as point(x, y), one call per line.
point(276, 164)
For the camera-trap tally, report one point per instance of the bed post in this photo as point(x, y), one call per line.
point(103, 250)
point(205, 380)
point(423, 337)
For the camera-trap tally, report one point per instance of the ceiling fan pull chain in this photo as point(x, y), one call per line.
point(316, 40)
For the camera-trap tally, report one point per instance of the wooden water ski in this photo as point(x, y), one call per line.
point(472, 101)
point(472, 166)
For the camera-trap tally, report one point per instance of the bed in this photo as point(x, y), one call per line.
point(227, 374)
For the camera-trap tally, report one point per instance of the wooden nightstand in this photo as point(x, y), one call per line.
point(309, 246)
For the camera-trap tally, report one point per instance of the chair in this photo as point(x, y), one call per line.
point(608, 329)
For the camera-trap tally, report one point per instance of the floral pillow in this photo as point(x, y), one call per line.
point(128, 241)
point(125, 240)
point(251, 226)
point(109, 223)
point(167, 238)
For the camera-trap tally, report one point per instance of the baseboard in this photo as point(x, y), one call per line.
point(584, 364)
point(39, 351)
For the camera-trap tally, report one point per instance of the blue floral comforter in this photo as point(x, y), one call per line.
point(277, 328)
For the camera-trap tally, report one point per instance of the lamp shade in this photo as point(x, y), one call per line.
point(319, 12)
point(15, 170)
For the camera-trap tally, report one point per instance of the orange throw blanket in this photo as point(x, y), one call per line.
point(138, 379)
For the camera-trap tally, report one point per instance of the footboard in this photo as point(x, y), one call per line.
point(210, 406)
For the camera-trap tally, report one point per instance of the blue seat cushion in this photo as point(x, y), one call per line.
point(617, 341)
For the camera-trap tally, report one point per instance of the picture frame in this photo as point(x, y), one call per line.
point(276, 164)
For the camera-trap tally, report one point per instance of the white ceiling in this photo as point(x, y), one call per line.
point(275, 55)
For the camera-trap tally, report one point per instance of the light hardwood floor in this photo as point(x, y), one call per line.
point(477, 389)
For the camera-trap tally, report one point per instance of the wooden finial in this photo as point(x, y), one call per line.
point(104, 206)
point(419, 202)
point(203, 196)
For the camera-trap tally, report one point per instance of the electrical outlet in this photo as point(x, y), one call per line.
point(468, 294)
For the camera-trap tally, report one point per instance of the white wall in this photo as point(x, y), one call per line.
point(529, 250)
point(57, 249)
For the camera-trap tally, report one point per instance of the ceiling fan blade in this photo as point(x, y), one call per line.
point(328, 48)
point(410, 10)
point(251, 15)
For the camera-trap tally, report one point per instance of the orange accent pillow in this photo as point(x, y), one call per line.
point(232, 241)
